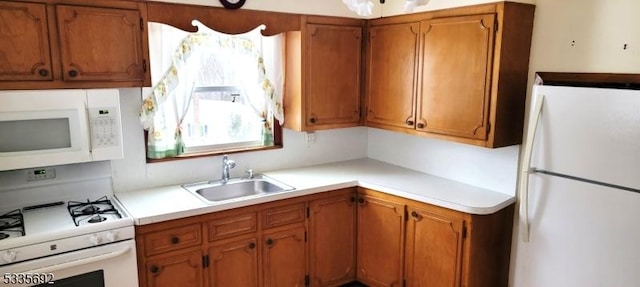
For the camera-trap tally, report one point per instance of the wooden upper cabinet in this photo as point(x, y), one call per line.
point(53, 45)
point(393, 64)
point(102, 44)
point(333, 74)
point(456, 76)
point(323, 74)
point(434, 248)
point(24, 42)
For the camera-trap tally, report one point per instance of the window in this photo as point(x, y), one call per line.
point(212, 92)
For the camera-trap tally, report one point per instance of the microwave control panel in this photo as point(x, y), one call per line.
point(105, 129)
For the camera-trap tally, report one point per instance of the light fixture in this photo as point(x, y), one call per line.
point(409, 5)
point(365, 7)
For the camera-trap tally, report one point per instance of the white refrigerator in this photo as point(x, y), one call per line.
point(579, 190)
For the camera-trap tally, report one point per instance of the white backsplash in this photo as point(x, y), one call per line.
point(494, 169)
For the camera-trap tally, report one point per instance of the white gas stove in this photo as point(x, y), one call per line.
point(75, 231)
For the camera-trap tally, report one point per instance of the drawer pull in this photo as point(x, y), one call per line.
point(175, 240)
point(73, 73)
point(154, 269)
point(43, 72)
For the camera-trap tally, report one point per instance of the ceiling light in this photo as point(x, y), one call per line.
point(365, 7)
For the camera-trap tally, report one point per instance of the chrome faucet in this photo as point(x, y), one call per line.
point(227, 164)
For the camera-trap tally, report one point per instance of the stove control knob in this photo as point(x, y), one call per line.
point(95, 239)
point(9, 256)
point(111, 236)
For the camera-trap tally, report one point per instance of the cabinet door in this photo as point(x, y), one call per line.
point(100, 44)
point(434, 249)
point(24, 42)
point(456, 76)
point(333, 55)
point(380, 241)
point(284, 258)
point(234, 263)
point(183, 270)
point(332, 239)
point(393, 64)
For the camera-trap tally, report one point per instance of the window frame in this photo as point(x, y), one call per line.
point(277, 144)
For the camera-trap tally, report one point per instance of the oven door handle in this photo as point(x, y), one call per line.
point(79, 262)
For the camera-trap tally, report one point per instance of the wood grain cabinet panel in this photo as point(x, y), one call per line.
point(434, 249)
point(173, 239)
point(380, 253)
point(234, 263)
point(332, 240)
point(184, 270)
point(24, 42)
point(231, 226)
point(324, 71)
point(284, 258)
point(283, 215)
point(65, 44)
point(392, 69)
point(100, 44)
point(456, 76)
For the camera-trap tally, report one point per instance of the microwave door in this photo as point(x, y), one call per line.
point(43, 138)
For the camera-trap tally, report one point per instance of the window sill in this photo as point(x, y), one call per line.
point(214, 153)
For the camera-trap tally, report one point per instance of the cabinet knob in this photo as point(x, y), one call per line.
point(154, 269)
point(73, 73)
point(252, 245)
point(269, 241)
point(43, 72)
point(409, 122)
point(175, 240)
point(421, 126)
point(361, 200)
point(313, 120)
point(415, 215)
point(352, 199)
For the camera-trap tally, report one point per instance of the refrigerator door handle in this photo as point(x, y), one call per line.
point(526, 169)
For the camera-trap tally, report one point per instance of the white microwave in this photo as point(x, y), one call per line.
point(52, 127)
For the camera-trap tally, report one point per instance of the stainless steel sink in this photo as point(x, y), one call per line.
point(215, 191)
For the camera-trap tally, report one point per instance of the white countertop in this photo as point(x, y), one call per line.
point(173, 202)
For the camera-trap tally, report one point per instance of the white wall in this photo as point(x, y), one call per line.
point(494, 169)
point(133, 172)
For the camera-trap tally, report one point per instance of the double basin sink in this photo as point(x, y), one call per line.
point(236, 188)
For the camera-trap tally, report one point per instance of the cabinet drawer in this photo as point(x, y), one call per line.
point(233, 225)
point(172, 239)
point(282, 215)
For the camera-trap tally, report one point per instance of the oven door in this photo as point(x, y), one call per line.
point(112, 265)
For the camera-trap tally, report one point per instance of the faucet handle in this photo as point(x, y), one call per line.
point(249, 173)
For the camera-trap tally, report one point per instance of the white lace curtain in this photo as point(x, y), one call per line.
point(164, 108)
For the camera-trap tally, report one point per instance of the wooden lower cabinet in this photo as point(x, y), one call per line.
point(380, 240)
point(434, 248)
point(183, 270)
point(329, 239)
point(284, 258)
point(332, 239)
point(234, 263)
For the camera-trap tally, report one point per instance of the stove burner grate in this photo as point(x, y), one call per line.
point(11, 222)
point(90, 211)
